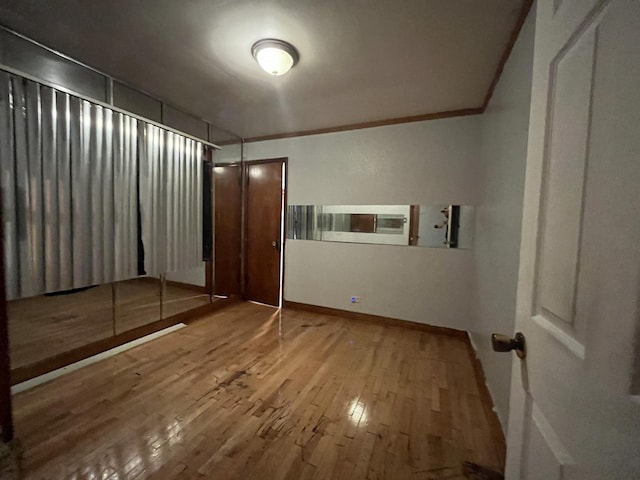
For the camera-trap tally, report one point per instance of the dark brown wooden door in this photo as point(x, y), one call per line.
point(228, 216)
point(263, 227)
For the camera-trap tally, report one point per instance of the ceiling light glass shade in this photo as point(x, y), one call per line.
point(276, 57)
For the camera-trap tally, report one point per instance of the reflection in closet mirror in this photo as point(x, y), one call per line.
point(435, 226)
point(137, 302)
point(129, 197)
point(44, 326)
point(184, 290)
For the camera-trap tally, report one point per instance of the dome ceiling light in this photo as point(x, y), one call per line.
point(276, 57)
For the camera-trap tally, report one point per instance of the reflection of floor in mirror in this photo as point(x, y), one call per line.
point(255, 393)
point(178, 299)
point(44, 326)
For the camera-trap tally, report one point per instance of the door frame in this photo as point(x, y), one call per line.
point(245, 193)
point(209, 270)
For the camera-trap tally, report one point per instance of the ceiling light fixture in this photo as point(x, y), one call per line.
point(276, 57)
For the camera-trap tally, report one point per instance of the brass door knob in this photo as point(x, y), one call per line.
point(502, 343)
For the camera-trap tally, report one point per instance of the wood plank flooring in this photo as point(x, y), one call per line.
point(255, 393)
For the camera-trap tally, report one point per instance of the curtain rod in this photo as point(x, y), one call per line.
point(14, 71)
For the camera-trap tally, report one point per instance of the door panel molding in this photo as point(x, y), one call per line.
point(569, 341)
point(565, 167)
point(545, 447)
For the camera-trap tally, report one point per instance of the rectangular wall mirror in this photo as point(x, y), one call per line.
point(435, 226)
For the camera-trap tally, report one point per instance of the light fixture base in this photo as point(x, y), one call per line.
point(276, 57)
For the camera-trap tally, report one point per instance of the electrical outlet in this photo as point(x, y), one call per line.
point(355, 299)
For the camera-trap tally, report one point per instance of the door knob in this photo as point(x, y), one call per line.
point(275, 244)
point(502, 343)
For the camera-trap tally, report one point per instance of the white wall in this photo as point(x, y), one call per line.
point(432, 162)
point(505, 127)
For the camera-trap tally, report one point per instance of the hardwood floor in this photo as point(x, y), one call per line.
point(44, 326)
point(252, 393)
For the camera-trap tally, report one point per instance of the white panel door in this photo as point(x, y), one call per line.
point(575, 409)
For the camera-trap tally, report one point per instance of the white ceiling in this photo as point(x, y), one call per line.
point(360, 60)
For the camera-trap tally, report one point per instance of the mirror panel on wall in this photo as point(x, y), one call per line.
point(184, 290)
point(44, 326)
point(117, 211)
point(47, 325)
point(435, 226)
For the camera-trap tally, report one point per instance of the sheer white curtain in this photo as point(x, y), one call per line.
point(76, 179)
point(125, 186)
point(69, 190)
point(170, 200)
